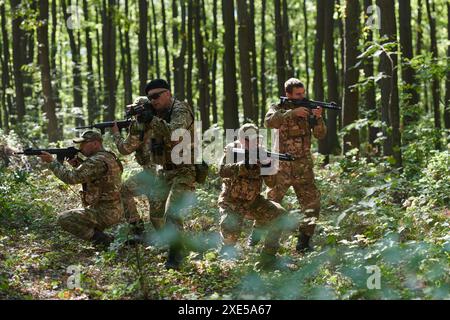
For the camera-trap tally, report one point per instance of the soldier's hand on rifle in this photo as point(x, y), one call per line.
point(115, 128)
point(75, 162)
point(301, 112)
point(46, 157)
point(317, 112)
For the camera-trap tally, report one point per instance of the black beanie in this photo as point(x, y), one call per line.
point(157, 84)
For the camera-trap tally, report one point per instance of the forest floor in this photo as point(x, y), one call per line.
point(375, 224)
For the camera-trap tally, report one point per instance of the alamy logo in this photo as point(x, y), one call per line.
point(374, 280)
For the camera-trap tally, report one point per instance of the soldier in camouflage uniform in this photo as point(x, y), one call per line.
point(241, 198)
point(295, 132)
point(143, 182)
point(174, 194)
point(100, 175)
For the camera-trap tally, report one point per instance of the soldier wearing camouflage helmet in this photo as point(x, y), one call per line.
point(295, 132)
point(175, 187)
point(241, 197)
point(100, 175)
point(143, 182)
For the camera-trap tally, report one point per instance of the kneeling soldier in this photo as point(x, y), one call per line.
point(100, 175)
point(241, 198)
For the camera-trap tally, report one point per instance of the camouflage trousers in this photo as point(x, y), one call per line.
point(298, 174)
point(173, 199)
point(140, 184)
point(267, 214)
point(83, 222)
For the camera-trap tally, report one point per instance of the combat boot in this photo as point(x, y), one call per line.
point(254, 238)
point(101, 240)
point(303, 243)
point(174, 258)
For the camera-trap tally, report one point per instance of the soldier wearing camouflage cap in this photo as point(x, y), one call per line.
point(295, 134)
point(100, 176)
point(143, 182)
point(241, 197)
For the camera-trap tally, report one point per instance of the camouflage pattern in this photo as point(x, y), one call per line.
point(143, 182)
point(160, 129)
point(175, 184)
point(100, 175)
point(241, 199)
point(295, 138)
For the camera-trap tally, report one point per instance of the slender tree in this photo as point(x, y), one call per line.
point(244, 60)
point(6, 81)
point(44, 63)
point(253, 59)
point(447, 84)
point(202, 64)
point(435, 88)
point(109, 59)
point(369, 94)
point(279, 48)
point(230, 102)
point(156, 49)
point(179, 43)
point(263, 62)
point(214, 64)
point(142, 44)
point(351, 94)
point(332, 81)
point(18, 60)
point(165, 42)
point(305, 41)
point(408, 73)
point(390, 112)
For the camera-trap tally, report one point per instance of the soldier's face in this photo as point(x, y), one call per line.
point(297, 93)
point(89, 147)
point(160, 99)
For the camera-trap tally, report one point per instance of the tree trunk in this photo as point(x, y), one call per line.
point(389, 86)
point(263, 62)
point(230, 102)
point(93, 111)
point(244, 60)
point(128, 66)
point(253, 59)
point(202, 63)
point(318, 88)
point(156, 49)
point(305, 41)
point(76, 69)
point(142, 44)
point(18, 62)
point(350, 98)
point(369, 95)
point(279, 48)
point(287, 41)
point(99, 67)
point(109, 59)
point(214, 65)
point(190, 49)
point(408, 73)
point(435, 90)
point(166, 47)
point(332, 81)
point(7, 101)
point(447, 83)
point(179, 44)
point(44, 62)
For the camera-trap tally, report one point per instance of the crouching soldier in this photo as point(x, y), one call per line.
point(100, 175)
point(241, 198)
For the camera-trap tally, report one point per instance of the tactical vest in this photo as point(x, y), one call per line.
point(294, 135)
point(107, 187)
point(161, 148)
point(246, 187)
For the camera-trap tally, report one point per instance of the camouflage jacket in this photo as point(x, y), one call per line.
point(132, 143)
point(100, 175)
point(241, 182)
point(294, 133)
point(161, 128)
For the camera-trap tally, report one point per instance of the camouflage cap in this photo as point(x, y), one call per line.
point(249, 131)
point(88, 136)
